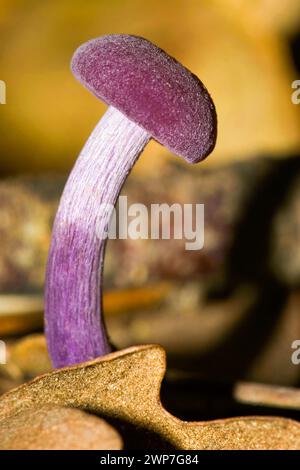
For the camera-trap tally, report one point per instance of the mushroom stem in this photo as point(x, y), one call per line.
point(75, 328)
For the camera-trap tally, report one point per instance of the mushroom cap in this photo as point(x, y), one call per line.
point(152, 89)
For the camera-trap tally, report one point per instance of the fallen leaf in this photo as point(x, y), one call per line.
point(57, 428)
point(125, 386)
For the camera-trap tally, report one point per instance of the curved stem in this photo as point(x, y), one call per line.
point(74, 325)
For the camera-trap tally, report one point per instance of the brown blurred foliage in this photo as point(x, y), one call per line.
point(237, 47)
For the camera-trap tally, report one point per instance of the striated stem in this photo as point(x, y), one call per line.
point(74, 324)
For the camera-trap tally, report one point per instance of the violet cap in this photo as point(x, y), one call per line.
point(152, 89)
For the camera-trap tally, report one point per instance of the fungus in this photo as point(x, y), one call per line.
point(150, 95)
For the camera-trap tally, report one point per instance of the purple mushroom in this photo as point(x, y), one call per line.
point(150, 95)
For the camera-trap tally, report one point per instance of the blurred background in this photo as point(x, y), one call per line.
point(225, 314)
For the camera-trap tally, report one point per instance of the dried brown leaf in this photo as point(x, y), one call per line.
point(125, 385)
point(57, 428)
